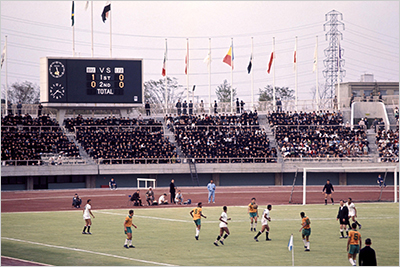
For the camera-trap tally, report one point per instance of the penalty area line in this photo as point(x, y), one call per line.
point(86, 251)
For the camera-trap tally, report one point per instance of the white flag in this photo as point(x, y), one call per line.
point(3, 55)
point(86, 5)
point(207, 59)
point(290, 244)
point(315, 58)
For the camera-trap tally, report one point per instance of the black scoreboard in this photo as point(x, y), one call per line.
point(91, 80)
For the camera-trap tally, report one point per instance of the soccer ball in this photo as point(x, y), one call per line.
point(255, 206)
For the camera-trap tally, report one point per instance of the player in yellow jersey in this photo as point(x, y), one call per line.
point(128, 230)
point(253, 213)
point(196, 214)
point(353, 244)
point(305, 230)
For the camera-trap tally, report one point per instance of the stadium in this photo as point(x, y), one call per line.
point(107, 128)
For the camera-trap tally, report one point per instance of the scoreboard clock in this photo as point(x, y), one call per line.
point(91, 81)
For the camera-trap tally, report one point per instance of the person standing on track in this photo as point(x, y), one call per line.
point(128, 230)
point(211, 191)
point(343, 218)
point(264, 221)
point(353, 244)
point(328, 190)
point(352, 212)
point(253, 212)
point(305, 230)
point(223, 226)
point(196, 214)
point(172, 190)
point(87, 211)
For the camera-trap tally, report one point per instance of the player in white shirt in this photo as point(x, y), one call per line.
point(264, 222)
point(352, 212)
point(87, 211)
point(223, 227)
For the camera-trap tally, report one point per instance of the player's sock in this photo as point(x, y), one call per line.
point(126, 241)
point(84, 229)
point(218, 238)
point(332, 200)
point(258, 234)
point(130, 242)
point(341, 232)
point(255, 226)
point(88, 229)
point(197, 232)
point(347, 233)
point(351, 261)
point(326, 201)
point(267, 233)
point(357, 223)
point(305, 243)
point(308, 245)
point(225, 236)
point(251, 226)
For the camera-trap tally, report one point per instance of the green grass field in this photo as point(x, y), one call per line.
point(166, 236)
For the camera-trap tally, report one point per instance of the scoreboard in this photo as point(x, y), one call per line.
point(91, 80)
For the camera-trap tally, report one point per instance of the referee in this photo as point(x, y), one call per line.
point(328, 190)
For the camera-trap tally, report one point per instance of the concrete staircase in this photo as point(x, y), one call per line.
point(373, 149)
point(262, 119)
point(82, 152)
point(171, 136)
point(390, 113)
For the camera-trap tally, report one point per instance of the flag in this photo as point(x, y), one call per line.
point(207, 59)
point(3, 55)
point(250, 64)
point(106, 10)
point(194, 87)
point(290, 244)
point(315, 58)
point(339, 55)
point(270, 61)
point(73, 13)
point(86, 5)
point(228, 59)
point(295, 57)
point(187, 58)
point(164, 69)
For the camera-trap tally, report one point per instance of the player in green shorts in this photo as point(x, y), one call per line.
point(305, 230)
point(253, 213)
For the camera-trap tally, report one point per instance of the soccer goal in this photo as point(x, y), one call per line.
point(349, 169)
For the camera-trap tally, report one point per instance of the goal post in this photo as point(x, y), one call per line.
point(387, 168)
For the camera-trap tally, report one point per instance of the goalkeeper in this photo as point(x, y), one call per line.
point(253, 212)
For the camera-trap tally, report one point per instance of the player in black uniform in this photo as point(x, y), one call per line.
point(328, 189)
point(343, 218)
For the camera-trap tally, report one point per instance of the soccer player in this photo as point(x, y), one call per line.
point(87, 211)
point(196, 214)
point(253, 212)
point(353, 244)
point(343, 218)
point(223, 227)
point(305, 230)
point(128, 230)
point(352, 212)
point(264, 222)
point(328, 190)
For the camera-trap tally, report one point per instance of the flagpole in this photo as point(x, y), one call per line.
point(232, 76)
point(273, 73)
point(316, 74)
point(73, 29)
point(338, 75)
point(110, 31)
point(187, 70)
point(252, 77)
point(295, 76)
point(91, 30)
point(166, 81)
point(6, 60)
point(209, 74)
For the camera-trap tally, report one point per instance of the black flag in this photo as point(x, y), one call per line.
point(194, 86)
point(250, 64)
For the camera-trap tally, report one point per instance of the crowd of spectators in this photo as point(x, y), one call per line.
point(317, 134)
point(27, 139)
point(222, 138)
point(387, 143)
point(119, 141)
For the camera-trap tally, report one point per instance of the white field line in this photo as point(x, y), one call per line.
point(207, 221)
point(32, 262)
point(86, 251)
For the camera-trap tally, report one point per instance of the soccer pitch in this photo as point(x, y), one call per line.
point(166, 237)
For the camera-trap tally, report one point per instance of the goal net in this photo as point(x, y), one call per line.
point(363, 192)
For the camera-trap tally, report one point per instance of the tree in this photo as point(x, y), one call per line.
point(26, 92)
point(284, 93)
point(324, 92)
point(154, 91)
point(223, 92)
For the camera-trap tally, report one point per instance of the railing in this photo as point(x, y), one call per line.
point(44, 162)
point(29, 128)
point(127, 127)
point(185, 160)
point(330, 159)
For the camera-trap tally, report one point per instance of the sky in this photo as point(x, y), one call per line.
point(37, 29)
